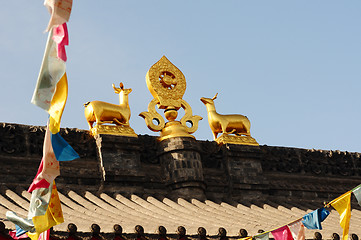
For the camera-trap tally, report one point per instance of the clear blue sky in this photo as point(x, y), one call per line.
point(293, 67)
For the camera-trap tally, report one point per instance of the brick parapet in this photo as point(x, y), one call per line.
point(182, 166)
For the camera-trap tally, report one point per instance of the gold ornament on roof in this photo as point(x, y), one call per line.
point(167, 84)
point(235, 124)
point(110, 118)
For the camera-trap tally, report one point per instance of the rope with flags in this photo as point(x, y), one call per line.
point(50, 93)
point(295, 230)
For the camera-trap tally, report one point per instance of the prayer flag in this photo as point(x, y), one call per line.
point(51, 71)
point(264, 236)
point(282, 233)
point(19, 232)
point(62, 150)
point(297, 229)
point(60, 11)
point(60, 36)
point(57, 104)
point(343, 206)
point(313, 219)
point(301, 234)
point(357, 192)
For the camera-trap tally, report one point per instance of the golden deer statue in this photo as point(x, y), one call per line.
point(226, 124)
point(103, 112)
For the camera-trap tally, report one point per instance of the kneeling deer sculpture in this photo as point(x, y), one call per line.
point(227, 124)
point(103, 112)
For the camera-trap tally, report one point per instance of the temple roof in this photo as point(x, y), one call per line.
point(84, 209)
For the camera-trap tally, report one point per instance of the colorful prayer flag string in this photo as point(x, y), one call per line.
point(295, 230)
point(50, 93)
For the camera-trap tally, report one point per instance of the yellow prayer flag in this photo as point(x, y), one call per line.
point(57, 104)
point(33, 236)
point(343, 206)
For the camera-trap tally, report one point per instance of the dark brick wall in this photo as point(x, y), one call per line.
point(309, 173)
point(21, 149)
point(180, 166)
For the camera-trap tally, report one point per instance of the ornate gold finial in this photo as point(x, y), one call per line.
point(104, 113)
point(236, 124)
point(167, 84)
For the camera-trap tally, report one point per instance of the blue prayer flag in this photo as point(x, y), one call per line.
point(313, 219)
point(19, 231)
point(62, 150)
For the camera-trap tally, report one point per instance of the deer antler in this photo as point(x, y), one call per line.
point(215, 96)
point(118, 89)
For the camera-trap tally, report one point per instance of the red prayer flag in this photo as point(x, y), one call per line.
point(282, 233)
